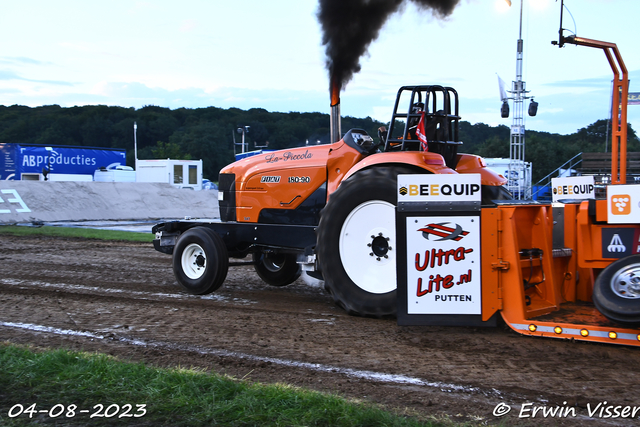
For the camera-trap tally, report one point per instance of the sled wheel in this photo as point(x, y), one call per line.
point(357, 242)
point(200, 261)
point(277, 269)
point(616, 292)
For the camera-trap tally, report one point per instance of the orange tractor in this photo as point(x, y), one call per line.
point(327, 208)
point(463, 254)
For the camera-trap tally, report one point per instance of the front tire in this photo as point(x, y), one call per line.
point(616, 291)
point(200, 261)
point(277, 269)
point(357, 242)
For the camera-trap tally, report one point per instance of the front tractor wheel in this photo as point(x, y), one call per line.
point(616, 291)
point(357, 242)
point(200, 261)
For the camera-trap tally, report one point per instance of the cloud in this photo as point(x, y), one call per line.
point(188, 25)
point(138, 94)
point(21, 60)
point(592, 82)
point(9, 91)
point(10, 75)
point(561, 113)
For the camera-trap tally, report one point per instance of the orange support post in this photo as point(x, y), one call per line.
point(619, 105)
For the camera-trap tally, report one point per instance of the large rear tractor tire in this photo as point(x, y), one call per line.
point(200, 261)
point(616, 292)
point(357, 242)
point(277, 269)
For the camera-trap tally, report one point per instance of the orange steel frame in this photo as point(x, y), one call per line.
point(558, 302)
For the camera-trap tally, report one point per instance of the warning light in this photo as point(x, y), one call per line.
point(584, 332)
point(613, 335)
point(533, 328)
point(557, 330)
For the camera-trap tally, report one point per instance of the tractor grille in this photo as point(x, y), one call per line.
point(227, 185)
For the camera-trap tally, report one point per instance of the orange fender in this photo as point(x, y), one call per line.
point(469, 163)
point(430, 162)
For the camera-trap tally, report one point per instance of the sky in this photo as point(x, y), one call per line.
point(269, 54)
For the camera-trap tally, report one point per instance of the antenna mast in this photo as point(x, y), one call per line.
point(519, 183)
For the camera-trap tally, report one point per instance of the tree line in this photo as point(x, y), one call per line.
point(208, 133)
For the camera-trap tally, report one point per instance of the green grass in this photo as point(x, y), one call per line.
point(86, 233)
point(173, 397)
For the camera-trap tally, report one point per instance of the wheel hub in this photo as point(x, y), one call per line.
point(626, 283)
point(379, 246)
point(273, 262)
point(193, 261)
point(200, 260)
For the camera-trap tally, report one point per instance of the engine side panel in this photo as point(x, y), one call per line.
point(278, 182)
point(307, 213)
point(227, 196)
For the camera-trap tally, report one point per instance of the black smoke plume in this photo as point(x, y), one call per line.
point(349, 27)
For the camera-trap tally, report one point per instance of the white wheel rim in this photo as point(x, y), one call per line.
point(194, 261)
point(626, 282)
point(370, 272)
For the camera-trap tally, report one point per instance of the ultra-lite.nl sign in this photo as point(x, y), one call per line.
point(443, 265)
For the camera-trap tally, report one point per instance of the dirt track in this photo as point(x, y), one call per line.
point(122, 299)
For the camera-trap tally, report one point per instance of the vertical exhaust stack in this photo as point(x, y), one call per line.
point(335, 122)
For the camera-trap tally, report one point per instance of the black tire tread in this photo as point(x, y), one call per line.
point(288, 274)
point(612, 306)
point(376, 183)
point(217, 261)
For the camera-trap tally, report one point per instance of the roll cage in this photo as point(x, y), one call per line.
point(440, 106)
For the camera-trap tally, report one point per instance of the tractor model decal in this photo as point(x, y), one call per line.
point(299, 179)
point(286, 156)
point(270, 179)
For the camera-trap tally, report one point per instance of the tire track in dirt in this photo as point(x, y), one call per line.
point(127, 292)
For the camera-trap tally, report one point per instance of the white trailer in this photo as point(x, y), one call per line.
point(179, 173)
point(520, 182)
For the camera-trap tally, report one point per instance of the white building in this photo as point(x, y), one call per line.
point(179, 173)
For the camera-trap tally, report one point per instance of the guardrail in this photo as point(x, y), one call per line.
point(545, 183)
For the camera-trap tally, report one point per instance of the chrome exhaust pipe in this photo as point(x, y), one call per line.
point(336, 131)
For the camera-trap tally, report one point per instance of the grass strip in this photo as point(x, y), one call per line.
point(74, 232)
point(175, 397)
